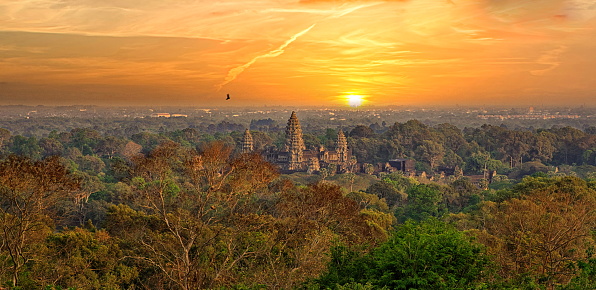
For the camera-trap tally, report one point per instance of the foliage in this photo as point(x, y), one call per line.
point(29, 194)
point(426, 255)
point(180, 208)
point(424, 201)
point(540, 231)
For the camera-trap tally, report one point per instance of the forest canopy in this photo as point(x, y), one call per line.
point(183, 209)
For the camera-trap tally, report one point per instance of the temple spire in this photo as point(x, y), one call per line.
point(342, 147)
point(294, 143)
point(247, 142)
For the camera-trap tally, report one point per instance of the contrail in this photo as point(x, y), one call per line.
point(233, 73)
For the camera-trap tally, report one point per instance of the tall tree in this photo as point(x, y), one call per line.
point(539, 233)
point(431, 152)
point(192, 224)
point(29, 191)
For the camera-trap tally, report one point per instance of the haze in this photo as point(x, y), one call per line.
point(282, 52)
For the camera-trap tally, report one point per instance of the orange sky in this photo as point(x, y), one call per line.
point(309, 52)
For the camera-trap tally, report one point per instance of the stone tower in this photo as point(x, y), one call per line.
point(342, 147)
point(294, 143)
point(247, 143)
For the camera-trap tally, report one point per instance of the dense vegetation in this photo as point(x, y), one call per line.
point(183, 210)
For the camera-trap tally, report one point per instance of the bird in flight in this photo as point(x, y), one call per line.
point(228, 97)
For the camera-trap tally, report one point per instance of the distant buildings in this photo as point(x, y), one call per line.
point(167, 115)
point(530, 115)
point(157, 115)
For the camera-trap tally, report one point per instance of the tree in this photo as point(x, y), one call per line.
point(429, 255)
point(51, 147)
point(362, 131)
point(411, 134)
point(368, 168)
point(452, 137)
point(27, 147)
point(311, 218)
point(515, 145)
point(425, 255)
point(541, 231)
point(111, 145)
point(193, 224)
point(431, 152)
point(350, 178)
point(4, 137)
point(29, 191)
point(261, 140)
point(83, 259)
point(90, 164)
point(85, 139)
point(130, 150)
point(543, 147)
point(386, 190)
point(424, 201)
point(482, 163)
point(567, 140)
point(453, 160)
point(460, 194)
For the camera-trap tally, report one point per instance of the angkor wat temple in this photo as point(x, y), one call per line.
point(296, 157)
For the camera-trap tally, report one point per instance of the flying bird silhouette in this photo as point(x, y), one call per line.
point(228, 97)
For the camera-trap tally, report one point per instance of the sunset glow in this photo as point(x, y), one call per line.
point(355, 101)
point(298, 52)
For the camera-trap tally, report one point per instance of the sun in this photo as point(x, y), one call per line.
point(355, 100)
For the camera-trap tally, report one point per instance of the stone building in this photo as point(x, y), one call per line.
point(296, 157)
point(247, 144)
point(406, 166)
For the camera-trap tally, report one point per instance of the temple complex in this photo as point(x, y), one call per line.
point(296, 157)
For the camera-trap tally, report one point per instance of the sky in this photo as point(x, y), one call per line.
point(298, 52)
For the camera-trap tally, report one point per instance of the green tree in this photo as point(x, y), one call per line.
point(425, 255)
point(386, 190)
point(362, 131)
point(424, 201)
point(111, 145)
point(452, 160)
point(543, 146)
point(50, 147)
point(85, 139)
point(27, 147)
point(482, 162)
point(83, 259)
point(431, 152)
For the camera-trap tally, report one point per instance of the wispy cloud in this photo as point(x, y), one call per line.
point(233, 73)
point(344, 1)
point(550, 58)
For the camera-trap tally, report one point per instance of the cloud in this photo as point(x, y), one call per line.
point(550, 58)
point(233, 73)
point(339, 1)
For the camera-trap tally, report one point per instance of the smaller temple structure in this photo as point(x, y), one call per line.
point(406, 166)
